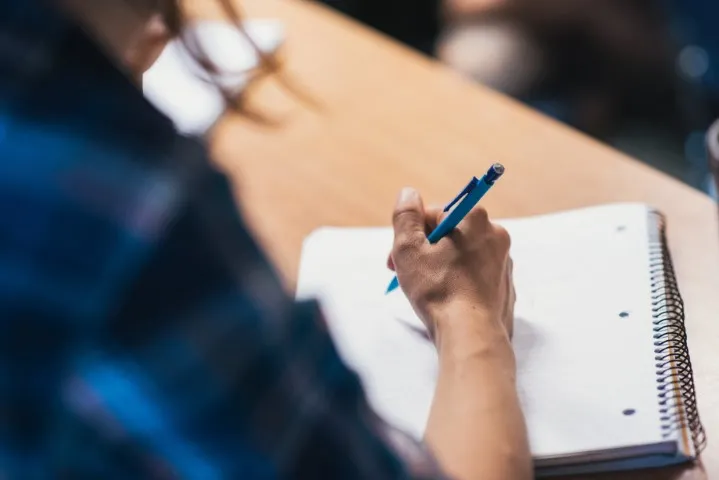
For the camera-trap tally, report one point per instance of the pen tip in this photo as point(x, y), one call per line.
point(498, 168)
point(392, 285)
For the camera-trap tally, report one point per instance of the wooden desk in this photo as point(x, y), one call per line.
point(390, 118)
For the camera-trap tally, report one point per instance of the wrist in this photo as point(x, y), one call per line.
point(468, 332)
point(458, 319)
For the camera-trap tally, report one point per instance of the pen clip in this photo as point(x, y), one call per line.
point(470, 186)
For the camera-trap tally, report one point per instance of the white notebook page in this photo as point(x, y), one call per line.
point(583, 327)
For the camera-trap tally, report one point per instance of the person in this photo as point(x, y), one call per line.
point(590, 64)
point(145, 335)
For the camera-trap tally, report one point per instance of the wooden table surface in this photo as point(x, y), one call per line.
point(385, 117)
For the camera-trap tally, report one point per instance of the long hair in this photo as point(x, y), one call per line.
point(269, 64)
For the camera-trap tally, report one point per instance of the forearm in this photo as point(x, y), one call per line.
point(476, 427)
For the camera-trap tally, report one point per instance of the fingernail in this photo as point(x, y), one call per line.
point(407, 194)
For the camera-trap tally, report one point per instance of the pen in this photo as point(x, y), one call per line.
point(472, 193)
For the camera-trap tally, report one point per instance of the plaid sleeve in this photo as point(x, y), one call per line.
point(143, 333)
point(209, 370)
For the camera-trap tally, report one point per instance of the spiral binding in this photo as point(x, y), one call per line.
point(675, 378)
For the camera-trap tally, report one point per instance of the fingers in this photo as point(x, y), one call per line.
point(412, 222)
point(408, 219)
point(503, 238)
point(512, 298)
point(432, 216)
point(477, 220)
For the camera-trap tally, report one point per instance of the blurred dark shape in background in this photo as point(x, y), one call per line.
point(642, 75)
point(713, 150)
point(413, 22)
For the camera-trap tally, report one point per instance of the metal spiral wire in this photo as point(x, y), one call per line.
point(675, 377)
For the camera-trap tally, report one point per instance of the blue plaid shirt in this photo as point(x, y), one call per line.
point(142, 332)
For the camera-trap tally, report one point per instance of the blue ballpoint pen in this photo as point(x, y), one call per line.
point(471, 194)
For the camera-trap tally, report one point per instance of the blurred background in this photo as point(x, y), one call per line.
point(641, 75)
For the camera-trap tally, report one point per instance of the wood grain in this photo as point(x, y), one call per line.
point(386, 117)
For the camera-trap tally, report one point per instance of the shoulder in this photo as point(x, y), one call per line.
point(84, 211)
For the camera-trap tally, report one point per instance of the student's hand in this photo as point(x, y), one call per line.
point(466, 275)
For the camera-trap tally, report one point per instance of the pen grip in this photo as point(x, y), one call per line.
point(445, 226)
point(458, 213)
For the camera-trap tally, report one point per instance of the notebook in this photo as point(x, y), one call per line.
point(604, 375)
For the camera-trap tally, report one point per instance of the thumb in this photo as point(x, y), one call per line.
point(408, 219)
point(390, 262)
